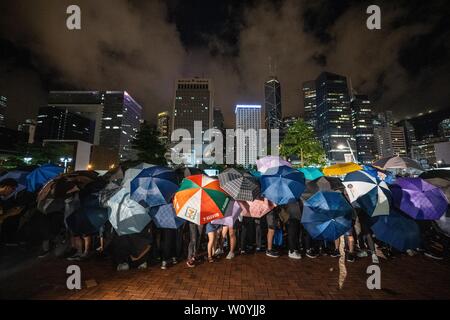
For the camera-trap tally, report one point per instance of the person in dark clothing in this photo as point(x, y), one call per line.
point(292, 213)
point(272, 219)
point(247, 234)
point(195, 234)
point(168, 247)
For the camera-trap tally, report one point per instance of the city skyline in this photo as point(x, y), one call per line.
point(232, 44)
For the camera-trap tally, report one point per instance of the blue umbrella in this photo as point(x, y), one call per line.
point(311, 173)
point(87, 221)
point(19, 176)
point(165, 217)
point(154, 186)
point(327, 215)
point(396, 230)
point(384, 175)
point(41, 175)
point(282, 185)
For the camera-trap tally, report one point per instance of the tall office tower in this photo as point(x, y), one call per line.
point(60, 124)
point(334, 117)
point(248, 124)
point(193, 102)
point(3, 104)
point(362, 119)
point(309, 103)
point(410, 134)
point(116, 115)
point(389, 139)
point(272, 104)
point(29, 128)
point(163, 126)
point(444, 128)
point(218, 120)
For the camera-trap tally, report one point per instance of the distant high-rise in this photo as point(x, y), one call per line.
point(389, 139)
point(309, 103)
point(163, 126)
point(444, 128)
point(410, 134)
point(3, 105)
point(362, 118)
point(193, 102)
point(248, 120)
point(218, 120)
point(272, 104)
point(115, 114)
point(29, 127)
point(334, 117)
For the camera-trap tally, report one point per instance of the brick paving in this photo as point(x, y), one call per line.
point(245, 277)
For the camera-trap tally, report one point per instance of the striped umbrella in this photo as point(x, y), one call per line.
point(200, 199)
point(239, 185)
point(282, 185)
point(371, 194)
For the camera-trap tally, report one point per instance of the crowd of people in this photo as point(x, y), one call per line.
point(276, 233)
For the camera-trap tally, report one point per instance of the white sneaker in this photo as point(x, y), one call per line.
point(143, 266)
point(362, 254)
point(230, 255)
point(295, 255)
point(123, 267)
point(410, 252)
point(375, 259)
point(218, 252)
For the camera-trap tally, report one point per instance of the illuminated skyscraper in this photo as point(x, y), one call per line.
point(362, 118)
point(272, 104)
point(248, 124)
point(334, 116)
point(163, 126)
point(309, 103)
point(3, 104)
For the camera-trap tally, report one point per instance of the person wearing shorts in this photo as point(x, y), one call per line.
point(273, 220)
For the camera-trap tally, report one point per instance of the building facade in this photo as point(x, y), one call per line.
point(362, 118)
point(334, 117)
point(3, 106)
point(248, 124)
point(163, 126)
point(309, 103)
point(272, 105)
point(390, 139)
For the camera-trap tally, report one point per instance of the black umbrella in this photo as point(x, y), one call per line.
point(322, 184)
point(443, 174)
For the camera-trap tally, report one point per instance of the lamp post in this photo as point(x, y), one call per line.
point(65, 160)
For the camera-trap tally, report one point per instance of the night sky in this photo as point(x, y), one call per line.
point(143, 46)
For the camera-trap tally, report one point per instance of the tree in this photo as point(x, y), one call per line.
point(148, 146)
point(301, 141)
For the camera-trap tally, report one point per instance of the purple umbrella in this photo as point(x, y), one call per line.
point(419, 199)
point(230, 216)
point(270, 162)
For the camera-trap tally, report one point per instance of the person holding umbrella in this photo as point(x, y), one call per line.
point(195, 234)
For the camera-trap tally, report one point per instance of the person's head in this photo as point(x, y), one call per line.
point(7, 187)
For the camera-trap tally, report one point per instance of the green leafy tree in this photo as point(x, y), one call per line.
point(300, 141)
point(148, 146)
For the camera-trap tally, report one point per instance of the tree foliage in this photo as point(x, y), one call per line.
point(148, 146)
point(300, 141)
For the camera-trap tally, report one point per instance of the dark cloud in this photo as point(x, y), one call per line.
point(143, 47)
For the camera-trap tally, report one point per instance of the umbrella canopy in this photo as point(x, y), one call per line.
point(282, 185)
point(200, 199)
point(87, 220)
point(256, 208)
point(239, 185)
point(255, 173)
point(439, 173)
point(322, 184)
point(419, 199)
point(126, 215)
point(379, 173)
point(442, 183)
point(397, 231)
point(270, 162)
point(398, 162)
point(19, 176)
point(154, 186)
point(184, 172)
point(311, 173)
point(165, 216)
point(339, 169)
point(41, 175)
point(52, 197)
point(327, 215)
point(370, 193)
point(231, 215)
point(131, 173)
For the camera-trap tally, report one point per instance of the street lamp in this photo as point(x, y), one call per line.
point(438, 163)
point(65, 160)
point(27, 160)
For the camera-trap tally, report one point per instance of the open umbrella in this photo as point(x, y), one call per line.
point(154, 186)
point(19, 176)
point(322, 184)
point(126, 215)
point(256, 208)
point(419, 199)
point(370, 193)
point(442, 183)
point(311, 173)
point(87, 220)
point(282, 185)
point(339, 169)
point(396, 230)
point(239, 185)
point(200, 199)
point(270, 162)
point(164, 216)
point(379, 173)
point(41, 175)
point(184, 172)
point(327, 215)
point(231, 214)
point(131, 173)
point(398, 162)
point(439, 173)
point(54, 195)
